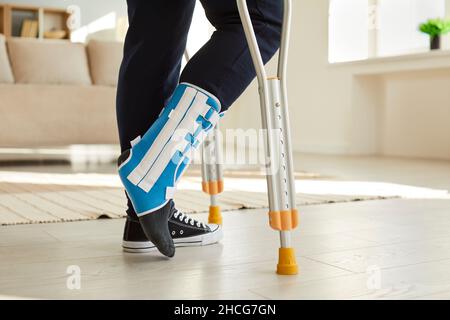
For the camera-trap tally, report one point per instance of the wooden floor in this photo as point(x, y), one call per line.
point(387, 249)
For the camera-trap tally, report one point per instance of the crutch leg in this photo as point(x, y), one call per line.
point(212, 173)
point(212, 169)
point(283, 215)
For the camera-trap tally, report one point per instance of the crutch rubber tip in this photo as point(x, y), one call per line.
point(215, 215)
point(287, 263)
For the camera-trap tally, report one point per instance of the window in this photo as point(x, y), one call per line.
point(348, 25)
point(359, 29)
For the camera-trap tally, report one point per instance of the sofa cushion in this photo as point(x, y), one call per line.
point(36, 115)
point(6, 75)
point(104, 59)
point(48, 61)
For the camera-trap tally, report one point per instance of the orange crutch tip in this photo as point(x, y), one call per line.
point(287, 263)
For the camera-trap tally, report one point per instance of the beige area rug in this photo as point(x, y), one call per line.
point(27, 197)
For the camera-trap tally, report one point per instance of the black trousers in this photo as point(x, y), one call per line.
point(155, 45)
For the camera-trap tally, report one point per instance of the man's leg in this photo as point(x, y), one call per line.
point(150, 69)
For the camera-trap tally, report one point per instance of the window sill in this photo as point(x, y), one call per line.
point(436, 59)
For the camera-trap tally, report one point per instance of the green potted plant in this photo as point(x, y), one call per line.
point(435, 28)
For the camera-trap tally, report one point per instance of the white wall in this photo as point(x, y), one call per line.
point(415, 117)
point(334, 111)
point(319, 99)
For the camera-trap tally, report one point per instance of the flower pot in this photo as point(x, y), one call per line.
point(435, 42)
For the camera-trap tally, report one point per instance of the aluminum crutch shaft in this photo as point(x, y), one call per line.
point(283, 213)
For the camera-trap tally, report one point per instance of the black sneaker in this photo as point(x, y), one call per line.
point(185, 232)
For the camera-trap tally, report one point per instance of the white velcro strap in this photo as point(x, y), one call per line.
point(199, 107)
point(135, 141)
point(170, 192)
point(176, 142)
point(164, 135)
point(161, 163)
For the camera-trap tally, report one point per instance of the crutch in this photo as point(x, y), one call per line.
point(283, 215)
point(212, 171)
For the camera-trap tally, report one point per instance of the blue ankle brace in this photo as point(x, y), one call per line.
point(158, 159)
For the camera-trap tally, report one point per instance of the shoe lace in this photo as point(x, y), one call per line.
point(188, 220)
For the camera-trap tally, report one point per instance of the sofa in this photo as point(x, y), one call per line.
point(57, 93)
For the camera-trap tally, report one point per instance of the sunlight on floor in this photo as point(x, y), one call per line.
point(309, 186)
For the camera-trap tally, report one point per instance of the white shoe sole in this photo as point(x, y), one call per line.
point(203, 240)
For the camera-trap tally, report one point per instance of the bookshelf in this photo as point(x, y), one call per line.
point(34, 22)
